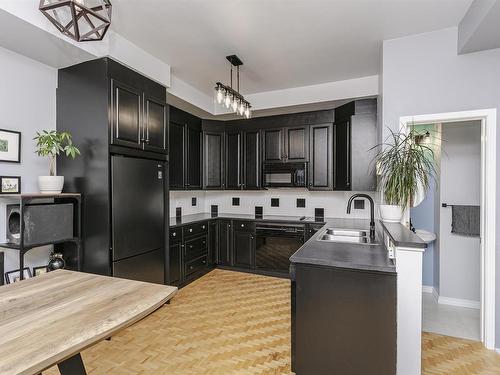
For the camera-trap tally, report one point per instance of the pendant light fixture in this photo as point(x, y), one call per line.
point(229, 97)
point(81, 20)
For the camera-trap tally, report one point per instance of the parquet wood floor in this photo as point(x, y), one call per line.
point(444, 355)
point(237, 323)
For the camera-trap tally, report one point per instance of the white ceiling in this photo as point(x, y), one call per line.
point(283, 43)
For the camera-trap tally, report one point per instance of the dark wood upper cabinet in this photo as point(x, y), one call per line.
point(185, 148)
point(296, 144)
point(251, 160)
point(272, 145)
point(342, 159)
point(233, 160)
point(177, 155)
point(213, 160)
point(355, 134)
point(321, 157)
point(193, 156)
point(155, 124)
point(283, 145)
point(126, 109)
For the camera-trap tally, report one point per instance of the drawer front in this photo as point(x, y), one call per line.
point(196, 247)
point(195, 265)
point(196, 229)
point(244, 226)
point(175, 234)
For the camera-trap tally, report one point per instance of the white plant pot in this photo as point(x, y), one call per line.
point(391, 213)
point(50, 184)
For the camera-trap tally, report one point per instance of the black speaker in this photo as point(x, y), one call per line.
point(43, 223)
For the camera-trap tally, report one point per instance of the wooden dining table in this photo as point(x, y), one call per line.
point(51, 318)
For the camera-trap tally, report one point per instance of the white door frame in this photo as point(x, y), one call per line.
point(488, 211)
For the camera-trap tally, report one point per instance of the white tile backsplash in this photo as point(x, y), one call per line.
point(334, 202)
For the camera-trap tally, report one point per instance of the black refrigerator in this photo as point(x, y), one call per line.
point(137, 218)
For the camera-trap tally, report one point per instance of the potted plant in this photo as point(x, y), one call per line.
point(50, 143)
point(405, 167)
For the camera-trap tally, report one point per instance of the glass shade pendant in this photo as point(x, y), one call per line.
point(227, 100)
point(220, 95)
point(235, 104)
point(81, 20)
point(228, 95)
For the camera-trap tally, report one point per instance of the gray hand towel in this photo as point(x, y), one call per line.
point(465, 220)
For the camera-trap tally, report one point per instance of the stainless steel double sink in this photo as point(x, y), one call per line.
point(356, 236)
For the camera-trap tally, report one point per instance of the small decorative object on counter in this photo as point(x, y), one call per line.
point(56, 262)
point(51, 143)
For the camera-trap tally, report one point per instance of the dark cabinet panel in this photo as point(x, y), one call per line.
point(244, 249)
point(176, 157)
point(193, 155)
point(225, 242)
point(213, 242)
point(340, 316)
point(174, 257)
point(126, 115)
point(321, 157)
point(296, 144)
point(155, 125)
point(251, 167)
point(213, 161)
point(342, 157)
point(272, 145)
point(233, 160)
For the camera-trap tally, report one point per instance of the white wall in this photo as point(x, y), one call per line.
point(27, 104)
point(334, 202)
point(460, 271)
point(423, 74)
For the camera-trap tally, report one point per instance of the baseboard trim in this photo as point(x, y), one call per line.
point(470, 304)
point(431, 290)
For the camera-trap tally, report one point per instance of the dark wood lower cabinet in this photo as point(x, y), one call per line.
point(175, 271)
point(225, 243)
point(189, 255)
point(343, 321)
point(244, 244)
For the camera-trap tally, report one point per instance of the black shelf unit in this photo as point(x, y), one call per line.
point(36, 198)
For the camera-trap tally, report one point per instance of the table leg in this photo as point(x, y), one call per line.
point(72, 366)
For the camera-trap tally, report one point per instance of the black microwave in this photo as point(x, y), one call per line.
point(284, 175)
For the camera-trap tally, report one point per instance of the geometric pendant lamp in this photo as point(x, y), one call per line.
point(81, 20)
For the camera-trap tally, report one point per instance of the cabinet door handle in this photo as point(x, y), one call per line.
point(243, 225)
point(204, 242)
point(190, 230)
point(190, 246)
point(174, 234)
point(191, 267)
point(204, 261)
point(202, 227)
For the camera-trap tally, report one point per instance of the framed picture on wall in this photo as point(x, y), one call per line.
point(10, 185)
point(14, 276)
point(10, 146)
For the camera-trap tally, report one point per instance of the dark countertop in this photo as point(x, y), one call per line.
point(345, 255)
point(193, 218)
point(402, 236)
point(334, 254)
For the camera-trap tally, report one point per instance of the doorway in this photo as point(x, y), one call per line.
point(452, 262)
point(487, 178)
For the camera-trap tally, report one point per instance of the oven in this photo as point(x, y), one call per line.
point(284, 175)
point(275, 245)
